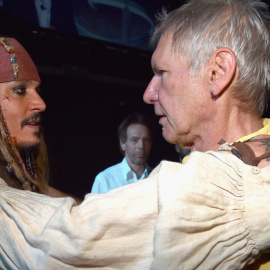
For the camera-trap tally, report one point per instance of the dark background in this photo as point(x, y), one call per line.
point(89, 84)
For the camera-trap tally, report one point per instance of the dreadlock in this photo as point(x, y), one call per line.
point(25, 174)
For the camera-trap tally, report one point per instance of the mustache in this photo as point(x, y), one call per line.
point(31, 118)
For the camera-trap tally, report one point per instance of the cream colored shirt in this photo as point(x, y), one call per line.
point(211, 213)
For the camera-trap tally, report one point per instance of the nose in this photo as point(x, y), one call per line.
point(151, 93)
point(36, 103)
point(140, 144)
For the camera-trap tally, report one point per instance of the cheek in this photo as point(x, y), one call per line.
point(7, 113)
point(170, 88)
point(12, 116)
point(8, 106)
point(130, 147)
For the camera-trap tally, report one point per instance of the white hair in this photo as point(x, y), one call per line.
point(202, 26)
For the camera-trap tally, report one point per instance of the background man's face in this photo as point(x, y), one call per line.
point(179, 99)
point(138, 144)
point(21, 105)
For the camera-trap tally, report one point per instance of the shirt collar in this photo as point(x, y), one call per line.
point(129, 174)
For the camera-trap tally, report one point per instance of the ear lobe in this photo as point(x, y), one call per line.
point(123, 146)
point(223, 69)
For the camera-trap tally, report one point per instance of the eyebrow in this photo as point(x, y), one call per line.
point(18, 84)
point(25, 84)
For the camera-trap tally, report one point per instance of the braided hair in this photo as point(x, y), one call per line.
point(31, 174)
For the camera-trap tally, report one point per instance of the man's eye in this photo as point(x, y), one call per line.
point(159, 71)
point(19, 90)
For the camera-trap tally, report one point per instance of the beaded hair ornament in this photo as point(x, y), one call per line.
point(13, 61)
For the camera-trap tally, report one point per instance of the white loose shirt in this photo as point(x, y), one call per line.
point(211, 213)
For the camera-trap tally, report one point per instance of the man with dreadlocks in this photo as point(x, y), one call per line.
point(23, 153)
point(213, 212)
point(23, 156)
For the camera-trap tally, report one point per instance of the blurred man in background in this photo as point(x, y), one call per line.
point(135, 139)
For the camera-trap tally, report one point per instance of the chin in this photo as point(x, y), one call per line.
point(169, 139)
point(28, 143)
point(30, 140)
point(140, 162)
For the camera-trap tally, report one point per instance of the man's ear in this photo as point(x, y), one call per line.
point(123, 146)
point(222, 70)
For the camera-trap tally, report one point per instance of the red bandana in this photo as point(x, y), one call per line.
point(15, 63)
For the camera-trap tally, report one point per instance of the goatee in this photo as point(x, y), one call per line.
point(28, 153)
point(26, 150)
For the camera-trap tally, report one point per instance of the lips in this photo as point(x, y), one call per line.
point(33, 120)
point(35, 123)
point(140, 155)
point(160, 114)
point(32, 125)
point(161, 119)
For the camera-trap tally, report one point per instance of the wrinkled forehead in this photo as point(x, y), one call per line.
point(15, 63)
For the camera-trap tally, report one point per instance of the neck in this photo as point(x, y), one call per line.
point(231, 129)
point(138, 169)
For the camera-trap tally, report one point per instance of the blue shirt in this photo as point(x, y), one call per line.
point(116, 176)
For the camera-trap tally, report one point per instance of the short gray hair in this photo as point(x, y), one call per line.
point(202, 26)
